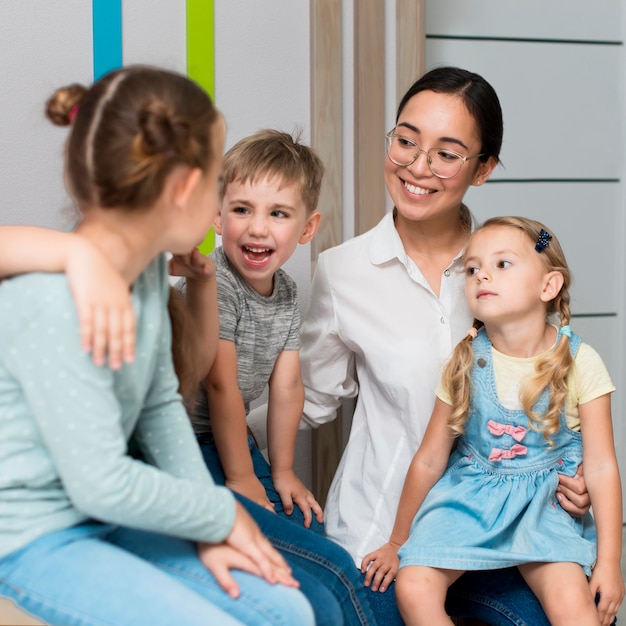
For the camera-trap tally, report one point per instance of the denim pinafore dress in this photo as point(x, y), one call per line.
point(495, 505)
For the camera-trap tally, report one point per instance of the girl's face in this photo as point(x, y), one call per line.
point(435, 120)
point(506, 278)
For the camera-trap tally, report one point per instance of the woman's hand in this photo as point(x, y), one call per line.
point(103, 303)
point(381, 566)
point(572, 493)
point(292, 491)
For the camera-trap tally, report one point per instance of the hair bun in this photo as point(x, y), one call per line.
point(160, 132)
point(59, 107)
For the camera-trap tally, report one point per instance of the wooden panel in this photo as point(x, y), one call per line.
point(410, 44)
point(369, 113)
point(326, 135)
point(326, 116)
point(561, 113)
point(592, 243)
point(562, 19)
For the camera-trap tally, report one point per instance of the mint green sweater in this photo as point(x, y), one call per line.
point(65, 424)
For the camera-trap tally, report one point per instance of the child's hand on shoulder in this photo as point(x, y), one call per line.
point(103, 303)
point(381, 567)
point(292, 491)
point(194, 266)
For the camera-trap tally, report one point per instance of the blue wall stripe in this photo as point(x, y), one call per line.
point(107, 36)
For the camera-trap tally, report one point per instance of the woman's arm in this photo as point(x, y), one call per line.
point(603, 482)
point(426, 468)
point(102, 297)
point(327, 363)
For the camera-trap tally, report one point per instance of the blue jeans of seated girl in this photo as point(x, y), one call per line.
point(99, 575)
point(310, 555)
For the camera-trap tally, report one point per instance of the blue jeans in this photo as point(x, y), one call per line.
point(262, 471)
point(496, 597)
point(100, 575)
point(311, 557)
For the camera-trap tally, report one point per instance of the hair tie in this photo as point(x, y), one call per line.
point(472, 332)
point(543, 240)
point(72, 114)
point(565, 330)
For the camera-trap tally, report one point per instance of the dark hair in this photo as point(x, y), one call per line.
point(478, 96)
point(129, 130)
point(272, 153)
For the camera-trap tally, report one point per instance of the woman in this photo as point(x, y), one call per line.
point(390, 305)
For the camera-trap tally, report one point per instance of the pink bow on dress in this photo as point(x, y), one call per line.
point(496, 428)
point(516, 449)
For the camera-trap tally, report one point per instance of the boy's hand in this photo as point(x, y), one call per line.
point(193, 265)
point(103, 302)
point(381, 566)
point(247, 548)
point(292, 491)
point(607, 583)
point(251, 488)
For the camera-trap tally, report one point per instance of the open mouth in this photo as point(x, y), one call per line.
point(256, 255)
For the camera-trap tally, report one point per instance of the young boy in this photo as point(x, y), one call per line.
point(271, 188)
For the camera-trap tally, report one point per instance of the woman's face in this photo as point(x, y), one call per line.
point(435, 120)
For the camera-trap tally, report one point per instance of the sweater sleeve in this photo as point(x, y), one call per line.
point(82, 416)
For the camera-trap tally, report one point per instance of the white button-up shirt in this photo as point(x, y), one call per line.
point(374, 319)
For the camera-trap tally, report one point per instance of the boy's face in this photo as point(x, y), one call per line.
point(261, 224)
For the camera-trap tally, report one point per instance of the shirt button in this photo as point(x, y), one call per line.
point(446, 273)
point(442, 320)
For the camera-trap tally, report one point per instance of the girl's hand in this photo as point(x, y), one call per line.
point(572, 493)
point(607, 582)
point(292, 491)
point(193, 265)
point(252, 488)
point(219, 559)
point(247, 538)
point(103, 303)
point(381, 566)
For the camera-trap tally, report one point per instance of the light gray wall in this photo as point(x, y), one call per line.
point(558, 68)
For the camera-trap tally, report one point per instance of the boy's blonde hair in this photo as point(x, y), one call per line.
point(274, 154)
point(551, 370)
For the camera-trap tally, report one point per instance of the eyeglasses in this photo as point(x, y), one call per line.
point(441, 162)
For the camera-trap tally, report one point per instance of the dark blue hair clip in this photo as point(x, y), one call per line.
point(543, 240)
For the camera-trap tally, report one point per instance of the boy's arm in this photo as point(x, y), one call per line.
point(101, 295)
point(426, 468)
point(603, 483)
point(228, 422)
point(285, 403)
point(201, 301)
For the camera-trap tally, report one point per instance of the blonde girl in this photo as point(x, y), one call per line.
point(89, 534)
point(523, 400)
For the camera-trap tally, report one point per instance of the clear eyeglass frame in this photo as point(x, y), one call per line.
point(459, 159)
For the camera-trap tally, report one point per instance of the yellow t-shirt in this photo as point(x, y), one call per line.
point(588, 379)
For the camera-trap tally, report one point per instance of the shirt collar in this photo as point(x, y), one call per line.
point(387, 245)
